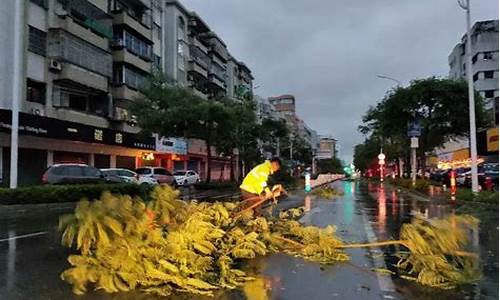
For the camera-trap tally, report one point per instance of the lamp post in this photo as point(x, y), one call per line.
point(17, 90)
point(472, 112)
point(399, 84)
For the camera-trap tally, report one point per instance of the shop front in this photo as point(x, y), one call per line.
point(44, 141)
point(456, 159)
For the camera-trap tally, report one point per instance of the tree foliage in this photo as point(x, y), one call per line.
point(334, 166)
point(226, 124)
point(441, 107)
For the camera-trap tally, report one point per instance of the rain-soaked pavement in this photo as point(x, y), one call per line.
point(31, 257)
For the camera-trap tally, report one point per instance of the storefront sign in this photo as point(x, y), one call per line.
point(171, 145)
point(46, 127)
point(492, 140)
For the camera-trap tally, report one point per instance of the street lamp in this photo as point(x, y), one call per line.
point(465, 4)
point(399, 85)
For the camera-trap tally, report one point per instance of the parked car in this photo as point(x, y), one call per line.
point(484, 171)
point(68, 173)
point(161, 175)
point(461, 174)
point(129, 176)
point(186, 177)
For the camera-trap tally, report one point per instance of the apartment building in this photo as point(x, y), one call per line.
point(284, 106)
point(484, 41)
point(84, 62)
point(327, 148)
point(265, 110)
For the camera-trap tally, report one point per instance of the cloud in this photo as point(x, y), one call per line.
point(328, 53)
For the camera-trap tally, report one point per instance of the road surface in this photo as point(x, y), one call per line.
point(31, 257)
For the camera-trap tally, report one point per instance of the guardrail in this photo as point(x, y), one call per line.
point(324, 179)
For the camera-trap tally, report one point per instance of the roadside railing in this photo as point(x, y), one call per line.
point(325, 178)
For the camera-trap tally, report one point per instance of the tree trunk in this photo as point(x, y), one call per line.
point(231, 165)
point(208, 143)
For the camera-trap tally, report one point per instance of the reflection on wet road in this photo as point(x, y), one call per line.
point(30, 266)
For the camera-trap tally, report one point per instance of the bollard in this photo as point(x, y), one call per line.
point(488, 183)
point(453, 184)
point(308, 182)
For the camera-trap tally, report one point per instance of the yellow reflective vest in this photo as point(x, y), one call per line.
point(256, 180)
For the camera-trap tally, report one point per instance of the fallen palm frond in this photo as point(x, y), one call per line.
point(327, 192)
point(435, 255)
point(169, 245)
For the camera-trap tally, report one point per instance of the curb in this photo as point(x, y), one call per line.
point(26, 209)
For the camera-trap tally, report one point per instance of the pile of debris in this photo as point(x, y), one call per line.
point(168, 245)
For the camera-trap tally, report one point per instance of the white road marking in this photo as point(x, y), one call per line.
point(23, 236)
point(385, 283)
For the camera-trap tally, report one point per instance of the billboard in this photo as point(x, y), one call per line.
point(171, 145)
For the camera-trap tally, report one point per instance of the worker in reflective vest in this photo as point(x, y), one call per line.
point(254, 186)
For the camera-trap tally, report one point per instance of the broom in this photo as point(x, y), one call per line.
point(277, 191)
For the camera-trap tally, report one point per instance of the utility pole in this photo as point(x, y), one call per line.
point(472, 108)
point(17, 89)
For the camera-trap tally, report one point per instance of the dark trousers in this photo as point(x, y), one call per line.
point(246, 196)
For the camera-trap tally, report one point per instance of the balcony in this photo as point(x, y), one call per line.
point(216, 81)
point(65, 47)
point(193, 66)
point(85, 33)
point(125, 92)
point(125, 56)
point(123, 18)
point(70, 72)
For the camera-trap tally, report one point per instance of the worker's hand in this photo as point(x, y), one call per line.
point(268, 194)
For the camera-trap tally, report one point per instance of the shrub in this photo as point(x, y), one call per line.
point(216, 185)
point(67, 193)
point(483, 196)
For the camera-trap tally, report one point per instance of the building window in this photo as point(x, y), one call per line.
point(156, 62)
point(77, 102)
point(489, 74)
point(487, 55)
point(474, 58)
point(181, 24)
point(475, 77)
point(137, 46)
point(37, 41)
point(123, 74)
point(489, 94)
point(35, 91)
point(41, 3)
point(157, 30)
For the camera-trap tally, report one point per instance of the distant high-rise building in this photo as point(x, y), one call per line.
point(327, 148)
point(484, 40)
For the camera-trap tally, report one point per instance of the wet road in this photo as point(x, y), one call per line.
point(31, 258)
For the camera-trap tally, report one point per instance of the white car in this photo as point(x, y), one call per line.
point(129, 176)
point(157, 174)
point(186, 177)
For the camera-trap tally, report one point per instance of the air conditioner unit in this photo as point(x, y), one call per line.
point(121, 114)
point(55, 66)
point(38, 111)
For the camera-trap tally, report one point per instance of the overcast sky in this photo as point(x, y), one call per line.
point(328, 53)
